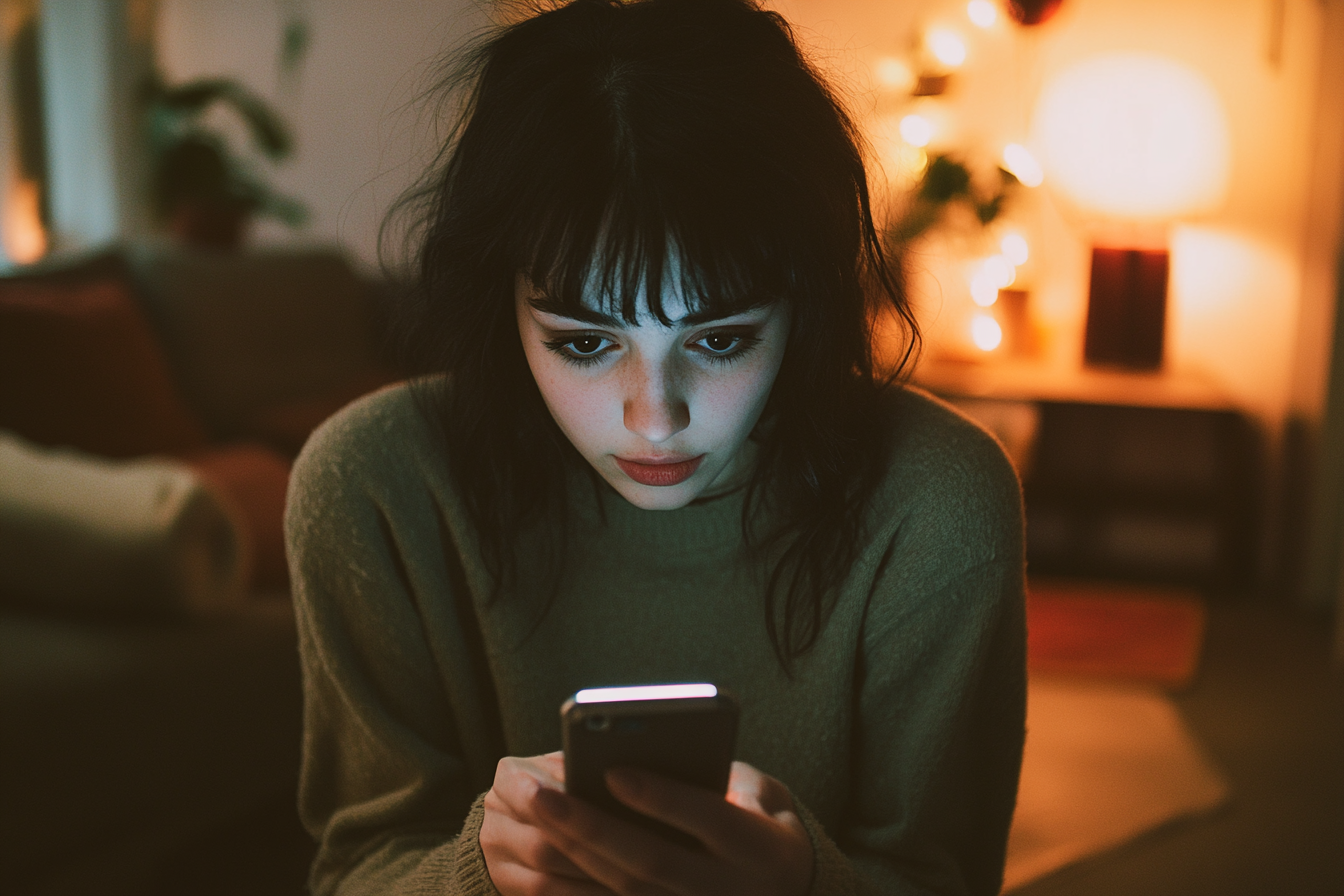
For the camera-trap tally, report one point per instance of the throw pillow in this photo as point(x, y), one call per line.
point(89, 536)
point(80, 366)
point(253, 478)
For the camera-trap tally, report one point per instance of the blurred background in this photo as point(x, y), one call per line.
point(1121, 227)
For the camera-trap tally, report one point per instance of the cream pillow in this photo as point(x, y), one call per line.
point(82, 534)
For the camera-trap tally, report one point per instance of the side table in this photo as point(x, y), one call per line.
point(1128, 476)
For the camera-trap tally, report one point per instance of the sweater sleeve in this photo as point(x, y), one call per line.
point(935, 780)
point(392, 766)
point(941, 689)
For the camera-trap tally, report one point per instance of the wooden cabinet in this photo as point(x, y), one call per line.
point(1126, 476)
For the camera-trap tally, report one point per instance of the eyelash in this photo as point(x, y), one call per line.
point(746, 342)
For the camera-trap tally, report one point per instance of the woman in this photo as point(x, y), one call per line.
point(656, 450)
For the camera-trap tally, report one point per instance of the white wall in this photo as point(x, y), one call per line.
point(360, 140)
point(1239, 272)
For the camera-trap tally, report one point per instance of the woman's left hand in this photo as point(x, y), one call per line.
point(754, 841)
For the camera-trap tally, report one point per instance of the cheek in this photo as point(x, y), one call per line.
point(734, 403)
point(576, 402)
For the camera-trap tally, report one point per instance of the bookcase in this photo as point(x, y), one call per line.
point(1134, 477)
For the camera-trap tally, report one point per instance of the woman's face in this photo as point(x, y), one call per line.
point(662, 413)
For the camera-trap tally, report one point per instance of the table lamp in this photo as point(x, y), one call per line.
point(1132, 142)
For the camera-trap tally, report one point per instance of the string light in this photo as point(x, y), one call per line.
point(986, 332)
point(1021, 164)
point(946, 46)
point(991, 275)
point(1014, 247)
point(982, 12)
point(916, 130)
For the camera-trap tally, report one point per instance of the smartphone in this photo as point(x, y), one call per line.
point(682, 731)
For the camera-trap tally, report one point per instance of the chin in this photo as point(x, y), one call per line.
point(647, 497)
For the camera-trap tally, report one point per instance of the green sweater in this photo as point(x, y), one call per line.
point(899, 734)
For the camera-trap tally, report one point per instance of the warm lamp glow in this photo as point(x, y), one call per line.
point(946, 46)
point(916, 130)
point(1014, 246)
point(986, 332)
point(1021, 164)
point(25, 241)
point(1134, 136)
point(982, 12)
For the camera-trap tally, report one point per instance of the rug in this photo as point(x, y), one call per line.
point(1108, 756)
point(1104, 763)
point(1125, 632)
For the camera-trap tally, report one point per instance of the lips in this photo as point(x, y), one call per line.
point(659, 474)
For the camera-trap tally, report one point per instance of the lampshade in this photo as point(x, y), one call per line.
point(1134, 137)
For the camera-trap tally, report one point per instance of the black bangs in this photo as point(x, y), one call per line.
point(627, 160)
point(626, 217)
point(619, 267)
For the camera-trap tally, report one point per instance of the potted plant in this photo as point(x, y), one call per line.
point(203, 191)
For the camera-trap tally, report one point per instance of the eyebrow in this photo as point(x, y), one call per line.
point(552, 306)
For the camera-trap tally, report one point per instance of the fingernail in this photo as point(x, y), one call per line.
point(552, 804)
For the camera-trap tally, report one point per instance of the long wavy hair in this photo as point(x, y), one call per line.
point(603, 138)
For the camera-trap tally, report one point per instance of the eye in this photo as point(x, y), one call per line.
point(587, 345)
point(720, 343)
point(584, 348)
point(725, 346)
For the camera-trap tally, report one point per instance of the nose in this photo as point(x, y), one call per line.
point(655, 407)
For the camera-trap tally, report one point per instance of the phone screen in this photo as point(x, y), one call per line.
point(682, 731)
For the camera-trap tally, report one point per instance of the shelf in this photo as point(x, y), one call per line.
point(1012, 380)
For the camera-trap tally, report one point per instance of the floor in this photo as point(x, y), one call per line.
point(1267, 705)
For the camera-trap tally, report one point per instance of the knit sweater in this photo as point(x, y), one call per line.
point(899, 733)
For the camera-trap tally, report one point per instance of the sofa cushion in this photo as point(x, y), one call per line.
point(266, 343)
point(80, 366)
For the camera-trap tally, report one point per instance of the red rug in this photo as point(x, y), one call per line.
point(1132, 632)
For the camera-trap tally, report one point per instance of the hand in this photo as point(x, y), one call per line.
point(755, 843)
point(521, 861)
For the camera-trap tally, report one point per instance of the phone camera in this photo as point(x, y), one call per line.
point(597, 723)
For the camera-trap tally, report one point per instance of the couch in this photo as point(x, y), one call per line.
point(133, 731)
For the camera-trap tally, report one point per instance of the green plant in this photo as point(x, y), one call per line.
point(944, 182)
point(193, 165)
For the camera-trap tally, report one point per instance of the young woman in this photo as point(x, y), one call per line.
point(656, 450)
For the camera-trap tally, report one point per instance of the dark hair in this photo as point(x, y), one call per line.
point(601, 136)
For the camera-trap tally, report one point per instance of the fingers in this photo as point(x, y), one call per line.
point(517, 782)
point(512, 842)
point(554, 765)
point(743, 836)
point(721, 825)
point(619, 855)
point(756, 791)
point(746, 851)
point(519, 859)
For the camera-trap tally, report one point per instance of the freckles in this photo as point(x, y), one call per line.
point(578, 404)
point(726, 400)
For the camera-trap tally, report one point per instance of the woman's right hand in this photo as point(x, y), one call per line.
point(520, 860)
